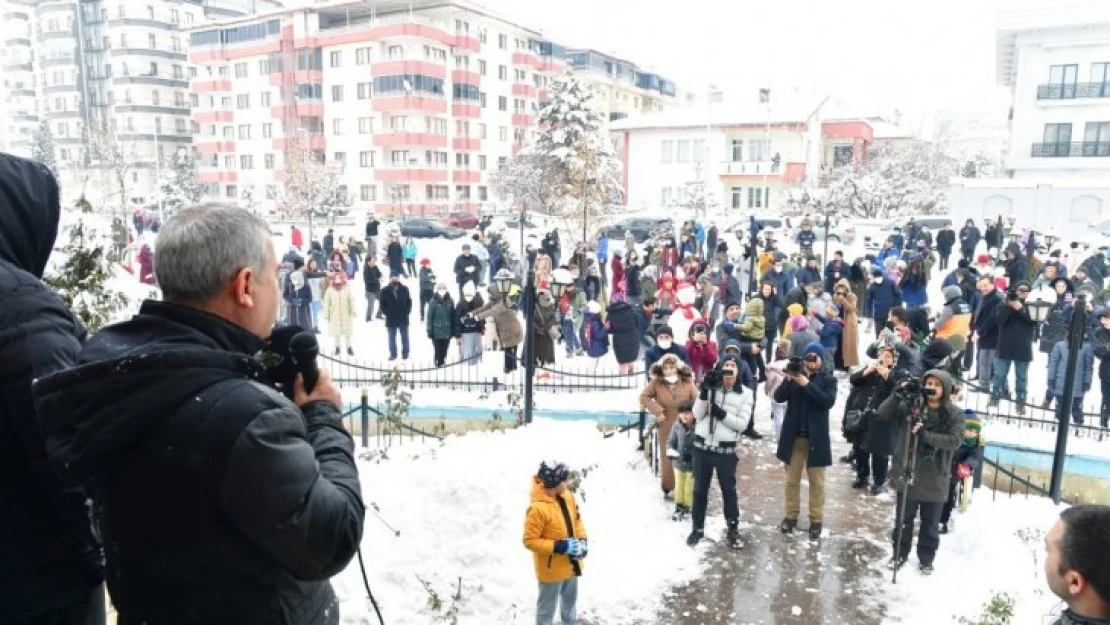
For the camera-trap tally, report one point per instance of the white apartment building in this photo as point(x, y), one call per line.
point(86, 64)
point(1056, 63)
point(412, 104)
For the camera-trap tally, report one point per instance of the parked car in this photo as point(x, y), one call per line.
point(934, 224)
point(513, 223)
point(462, 219)
point(427, 229)
point(640, 227)
point(837, 233)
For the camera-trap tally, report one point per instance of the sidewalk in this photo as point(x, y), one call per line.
point(782, 580)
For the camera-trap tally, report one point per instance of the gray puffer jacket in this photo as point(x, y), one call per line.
point(933, 446)
point(719, 434)
point(681, 442)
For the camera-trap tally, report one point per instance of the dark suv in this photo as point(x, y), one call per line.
point(640, 227)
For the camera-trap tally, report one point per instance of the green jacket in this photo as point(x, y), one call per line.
point(933, 446)
point(440, 317)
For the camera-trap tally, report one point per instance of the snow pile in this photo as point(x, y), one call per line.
point(459, 507)
point(996, 547)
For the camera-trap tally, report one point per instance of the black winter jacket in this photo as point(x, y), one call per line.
point(464, 262)
point(870, 391)
point(807, 408)
point(396, 304)
point(372, 279)
point(48, 555)
point(985, 320)
point(945, 240)
point(220, 501)
point(1015, 333)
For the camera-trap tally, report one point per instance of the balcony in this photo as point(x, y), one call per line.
point(410, 175)
point(524, 90)
point(472, 111)
point(208, 86)
point(464, 144)
point(209, 147)
point(1074, 91)
point(525, 59)
point(420, 139)
point(311, 141)
point(466, 175)
point(387, 103)
point(523, 119)
point(466, 77)
point(298, 109)
point(394, 68)
point(210, 177)
point(750, 168)
point(213, 116)
point(1061, 150)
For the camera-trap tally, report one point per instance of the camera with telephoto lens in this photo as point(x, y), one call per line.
point(713, 380)
point(794, 366)
point(1011, 295)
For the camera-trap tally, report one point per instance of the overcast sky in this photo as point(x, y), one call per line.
point(916, 56)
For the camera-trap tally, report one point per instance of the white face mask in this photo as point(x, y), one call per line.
point(671, 378)
point(876, 280)
point(468, 297)
point(778, 268)
point(665, 343)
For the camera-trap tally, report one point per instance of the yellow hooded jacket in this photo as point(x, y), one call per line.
point(792, 311)
point(544, 524)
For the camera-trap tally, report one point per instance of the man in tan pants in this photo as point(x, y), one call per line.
point(804, 443)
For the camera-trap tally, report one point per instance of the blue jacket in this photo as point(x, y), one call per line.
point(410, 251)
point(1058, 365)
point(951, 279)
point(598, 345)
point(783, 281)
point(808, 275)
point(985, 319)
point(807, 407)
point(899, 241)
point(882, 297)
point(603, 249)
point(831, 329)
point(885, 253)
point(699, 233)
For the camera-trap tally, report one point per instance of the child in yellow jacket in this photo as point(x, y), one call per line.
point(554, 533)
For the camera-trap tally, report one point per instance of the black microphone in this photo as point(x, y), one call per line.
point(303, 350)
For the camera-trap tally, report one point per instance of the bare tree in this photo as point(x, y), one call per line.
point(532, 180)
point(311, 189)
point(901, 180)
point(116, 157)
point(698, 199)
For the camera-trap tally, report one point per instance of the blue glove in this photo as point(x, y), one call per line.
point(729, 325)
point(585, 548)
point(575, 548)
point(561, 546)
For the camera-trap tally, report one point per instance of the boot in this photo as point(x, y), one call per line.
point(680, 513)
point(788, 525)
point(859, 483)
point(877, 490)
point(694, 538)
point(1047, 403)
point(752, 434)
point(896, 562)
point(815, 530)
point(350, 351)
point(1019, 409)
point(926, 568)
point(943, 528)
point(733, 536)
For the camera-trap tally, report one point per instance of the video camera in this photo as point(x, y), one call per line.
point(794, 366)
point(1011, 295)
point(713, 380)
point(913, 389)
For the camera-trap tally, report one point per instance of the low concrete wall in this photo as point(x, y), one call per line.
point(1064, 207)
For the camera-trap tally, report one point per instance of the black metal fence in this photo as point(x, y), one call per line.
point(1013, 483)
point(977, 398)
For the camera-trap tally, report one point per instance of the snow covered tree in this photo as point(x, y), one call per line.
point(572, 158)
point(81, 273)
point(311, 190)
point(179, 186)
point(697, 198)
point(899, 181)
point(116, 157)
point(979, 166)
point(42, 147)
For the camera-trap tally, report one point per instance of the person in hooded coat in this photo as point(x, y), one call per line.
point(969, 239)
point(510, 334)
point(1055, 325)
point(873, 444)
point(932, 443)
point(913, 283)
point(468, 328)
point(440, 323)
point(954, 322)
point(800, 336)
point(595, 336)
point(847, 302)
point(1017, 266)
point(395, 255)
point(545, 324)
point(146, 265)
point(882, 296)
point(339, 312)
point(626, 341)
point(58, 573)
point(701, 351)
point(616, 266)
point(671, 384)
point(298, 297)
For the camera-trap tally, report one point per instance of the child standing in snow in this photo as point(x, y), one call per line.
point(409, 251)
point(556, 536)
point(832, 328)
point(967, 464)
point(776, 374)
point(680, 449)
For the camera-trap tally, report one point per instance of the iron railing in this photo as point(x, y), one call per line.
point(1016, 480)
point(1073, 90)
point(1065, 150)
point(977, 397)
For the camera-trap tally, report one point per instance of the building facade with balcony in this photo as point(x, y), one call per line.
point(412, 105)
point(1056, 64)
point(623, 87)
point(19, 113)
point(747, 159)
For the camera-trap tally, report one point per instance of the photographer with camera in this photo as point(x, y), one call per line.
point(220, 500)
point(928, 428)
point(809, 392)
point(1015, 346)
point(872, 438)
point(721, 410)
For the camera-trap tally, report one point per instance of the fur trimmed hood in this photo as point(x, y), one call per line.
point(684, 372)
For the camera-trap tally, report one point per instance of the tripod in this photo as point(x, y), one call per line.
point(908, 459)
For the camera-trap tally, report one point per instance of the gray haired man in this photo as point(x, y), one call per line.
point(219, 499)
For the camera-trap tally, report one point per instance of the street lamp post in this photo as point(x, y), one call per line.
point(1040, 302)
point(1077, 330)
point(504, 281)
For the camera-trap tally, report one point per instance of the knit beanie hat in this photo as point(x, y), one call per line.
point(814, 348)
point(972, 421)
point(664, 330)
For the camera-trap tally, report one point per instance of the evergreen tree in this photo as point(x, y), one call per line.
point(81, 275)
point(698, 199)
point(42, 147)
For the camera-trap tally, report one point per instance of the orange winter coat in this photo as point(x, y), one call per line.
point(543, 525)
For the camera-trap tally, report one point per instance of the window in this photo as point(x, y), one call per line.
point(246, 162)
point(754, 199)
point(264, 98)
point(503, 133)
point(759, 150)
point(366, 159)
point(482, 98)
point(122, 37)
point(365, 125)
point(240, 70)
point(155, 98)
point(362, 56)
point(396, 53)
point(842, 155)
point(151, 41)
point(178, 73)
point(699, 150)
point(243, 101)
point(462, 159)
point(737, 196)
point(337, 127)
point(229, 132)
point(264, 67)
point(435, 54)
point(398, 123)
point(737, 153)
point(483, 194)
point(502, 72)
point(502, 41)
point(229, 162)
point(520, 76)
point(481, 131)
point(175, 16)
point(337, 93)
point(1061, 81)
point(502, 103)
point(462, 192)
point(482, 162)
point(668, 151)
point(340, 157)
point(399, 157)
point(335, 58)
point(231, 192)
point(481, 67)
point(364, 90)
point(244, 131)
point(665, 199)
point(1100, 80)
point(366, 193)
point(268, 161)
point(267, 130)
point(1096, 139)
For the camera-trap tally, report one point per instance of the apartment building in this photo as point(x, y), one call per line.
point(1056, 64)
point(90, 64)
point(413, 105)
point(746, 156)
point(623, 88)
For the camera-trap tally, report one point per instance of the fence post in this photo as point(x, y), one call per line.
point(1076, 332)
point(365, 418)
point(529, 341)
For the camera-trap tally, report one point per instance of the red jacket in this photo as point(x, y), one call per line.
point(296, 238)
point(702, 357)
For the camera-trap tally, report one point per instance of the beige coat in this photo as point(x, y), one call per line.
point(662, 400)
point(849, 312)
point(339, 311)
